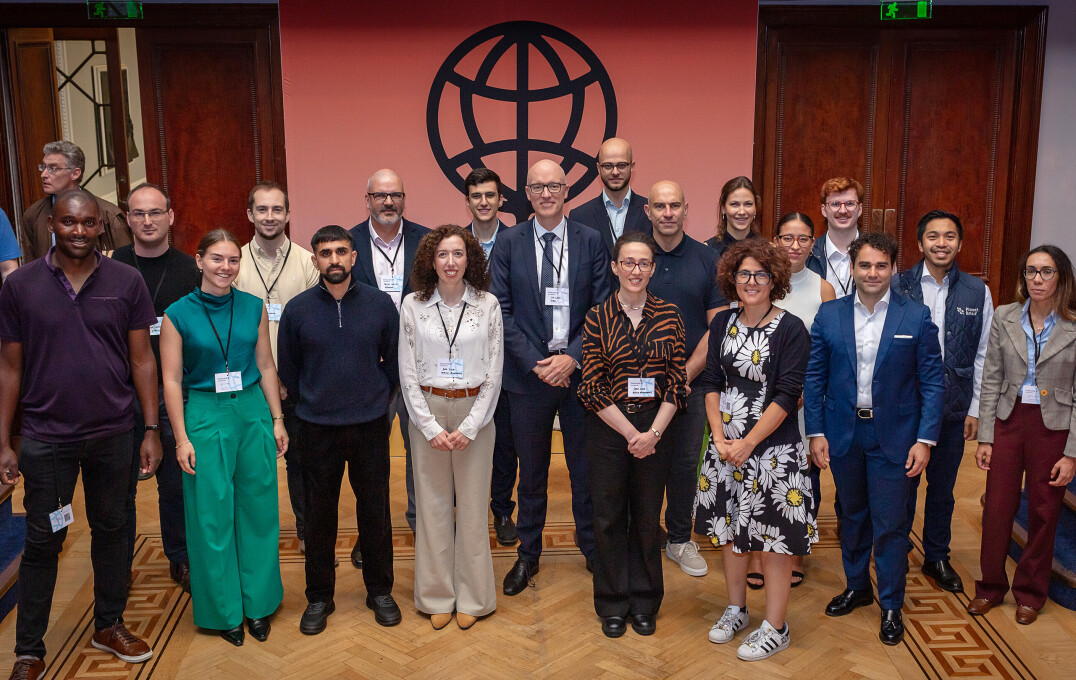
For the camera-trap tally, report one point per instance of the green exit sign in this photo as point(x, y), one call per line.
point(113, 9)
point(906, 9)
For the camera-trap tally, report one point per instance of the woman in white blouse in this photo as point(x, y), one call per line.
point(451, 353)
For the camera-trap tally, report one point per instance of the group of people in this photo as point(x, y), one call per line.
point(774, 359)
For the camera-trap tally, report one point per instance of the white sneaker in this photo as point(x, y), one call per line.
point(726, 627)
point(688, 557)
point(763, 643)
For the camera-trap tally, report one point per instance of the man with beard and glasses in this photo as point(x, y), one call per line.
point(276, 270)
point(617, 209)
point(333, 337)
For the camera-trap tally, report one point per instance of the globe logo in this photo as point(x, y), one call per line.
point(538, 104)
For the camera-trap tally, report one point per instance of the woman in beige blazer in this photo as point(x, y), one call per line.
point(1026, 428)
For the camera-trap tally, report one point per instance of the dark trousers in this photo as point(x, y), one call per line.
point(941, 478)
point(1023, 447)
point(51, 470)
point(398, 408)
point(169, 490)
point(533, 412)
point(364, 448)
point(873, 492)
point(503, 480)
point(627, 493)
point(293, 463)
point(683, 437)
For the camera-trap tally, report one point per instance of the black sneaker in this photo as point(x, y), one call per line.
point(316, 617)
point(386, 612)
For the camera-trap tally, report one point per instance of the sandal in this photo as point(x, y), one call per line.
point(757, 577)
point(797, 578)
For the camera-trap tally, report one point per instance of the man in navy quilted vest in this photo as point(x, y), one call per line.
point(961, 308)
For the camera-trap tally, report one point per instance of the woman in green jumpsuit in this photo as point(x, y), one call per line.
point(215, 346)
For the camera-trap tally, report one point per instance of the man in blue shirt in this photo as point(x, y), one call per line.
point(9, 248)
point(616, 209)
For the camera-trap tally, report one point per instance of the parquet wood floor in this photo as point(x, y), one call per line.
point(551, 631)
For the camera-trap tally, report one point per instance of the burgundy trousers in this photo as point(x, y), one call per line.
point(1022, 447)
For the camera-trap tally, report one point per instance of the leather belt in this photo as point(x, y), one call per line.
point(865, 413)
point(635, 407)
point(461, 393)
point(555, 352)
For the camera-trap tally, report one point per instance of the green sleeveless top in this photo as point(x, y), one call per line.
point(237, 314)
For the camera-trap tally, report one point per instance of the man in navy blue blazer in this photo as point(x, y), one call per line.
point(873, 400)
point(546, 272)
point(617, 208)
point(385, 245)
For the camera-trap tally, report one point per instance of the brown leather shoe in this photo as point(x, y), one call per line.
point(27, 668)
point(1026, 615)
point(121, 642)
point(980, 606)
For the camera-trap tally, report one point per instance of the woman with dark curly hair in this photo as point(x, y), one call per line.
point(451, 354)
point(754, 488)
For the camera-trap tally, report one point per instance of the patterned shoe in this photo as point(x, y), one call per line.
point(763, 643)
point(726, 627)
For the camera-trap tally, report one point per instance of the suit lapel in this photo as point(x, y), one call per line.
point(530, 263)
point(575, 243)
point(1060, 337)
point(607, 233)
point(636, 214)
point(410, 245)
point(893, 318)
point(848, 330)
point(1015, 332)
point(365, 258)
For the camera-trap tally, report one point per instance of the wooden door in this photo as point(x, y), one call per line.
point(216, 129)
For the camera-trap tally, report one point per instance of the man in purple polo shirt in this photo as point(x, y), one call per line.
point(74, 336)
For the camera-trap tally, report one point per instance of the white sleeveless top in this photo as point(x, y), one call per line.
point(805, 298)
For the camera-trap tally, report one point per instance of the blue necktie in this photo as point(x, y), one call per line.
point(547, 282)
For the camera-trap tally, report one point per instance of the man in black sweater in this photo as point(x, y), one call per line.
point(332, 337)
point(169, 274)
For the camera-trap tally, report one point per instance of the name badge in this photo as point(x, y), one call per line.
point(231, 381)
point(61, 518)
point(273, 310)
point(155, 329)
point(450, 368)
point(391, 284)
point(556, 297)
point(1029, 394)
point(640, 387)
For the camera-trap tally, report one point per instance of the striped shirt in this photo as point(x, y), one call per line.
point(613, 350)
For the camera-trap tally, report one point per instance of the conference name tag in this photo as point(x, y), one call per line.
point(155, 329)
point(273, 310)
point(450, 368)
point(232, 381)
point(391, 284)
point(556, 297)
point(640, 387)
point(61, 518)
point(1029, 394)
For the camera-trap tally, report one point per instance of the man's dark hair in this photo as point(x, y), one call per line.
point(330, 233)
point(938, 215)
point(875, 239)
point(267, 186)
point(147, 185)
point(480, 176)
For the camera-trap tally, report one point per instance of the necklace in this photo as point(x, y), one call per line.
point(755, 325)
point(624, 304)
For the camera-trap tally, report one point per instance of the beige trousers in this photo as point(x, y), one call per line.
point(453, 562)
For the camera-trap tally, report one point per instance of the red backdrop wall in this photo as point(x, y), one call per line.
point(357, 78)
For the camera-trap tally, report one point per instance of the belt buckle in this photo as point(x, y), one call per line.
point(865, 413)
point(632, 408)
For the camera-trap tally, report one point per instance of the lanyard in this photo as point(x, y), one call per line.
point(157, 290)
point(392, 262)
point(459, 323)
point(269, 288)
point(231, 315)
point(560, 261)
point(829, 267)
point(1035, 338)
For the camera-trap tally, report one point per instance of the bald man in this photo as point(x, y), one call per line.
point(386, 243)
point(616, 209)
point(546, 272)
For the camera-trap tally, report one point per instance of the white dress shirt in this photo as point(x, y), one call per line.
point(838, 267)
point(934, 296)
point(561, 315)
point(479, 343)
point(868, 330)
point(617, 216)
point(383, 253)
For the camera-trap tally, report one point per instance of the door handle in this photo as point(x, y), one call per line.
point(876, 220)
point(889, 222)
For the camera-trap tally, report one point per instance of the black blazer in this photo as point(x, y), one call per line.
point(594, 215)
point(364, 263)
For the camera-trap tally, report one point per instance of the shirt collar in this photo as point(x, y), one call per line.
point(470, 228)
point(878, 306)
point(610, 204)
point(379, 241)
point(469, 296)
point(1025, 316)
point(832, 250)
point(260, 252)
point(53, 268)
point(557, 231)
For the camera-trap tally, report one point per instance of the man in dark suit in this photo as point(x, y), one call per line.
point(616, 209)
point(547, 272)
point(873, 400)
point(385, 244)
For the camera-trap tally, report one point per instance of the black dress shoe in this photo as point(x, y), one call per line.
point(892, 631)
point(356, 557)
point(848, 601)
point(316, 617)
point(614, 626)
point(259, 628)
point(944, 575)
point(519, 577)
point(234, 636)
point(643, 624)
point(386, 612)
point(505, 529)
point(181, 574)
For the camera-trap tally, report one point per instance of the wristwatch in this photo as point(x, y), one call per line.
point(152, 428)
point(656, 433)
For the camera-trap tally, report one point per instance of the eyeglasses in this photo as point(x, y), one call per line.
point(1046, 273)
point(381, 196)
point(51, 169)
point(837, 205)
point(553, 187)
point(608, 167)
point(641, 265)
point(154, 215)
point(788, 239)
point(761, 278)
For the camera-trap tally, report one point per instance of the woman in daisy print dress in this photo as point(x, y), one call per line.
point(754, 488)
